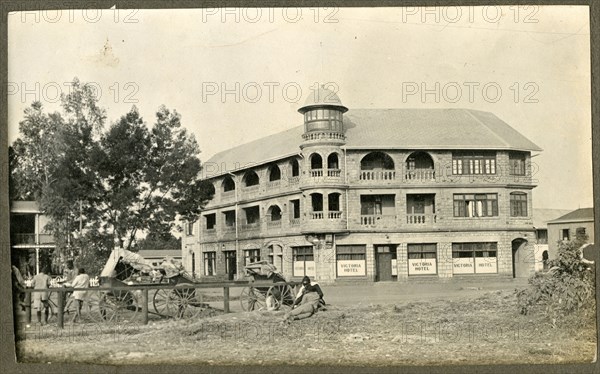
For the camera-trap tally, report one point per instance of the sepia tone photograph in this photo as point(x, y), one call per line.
point(300, 186)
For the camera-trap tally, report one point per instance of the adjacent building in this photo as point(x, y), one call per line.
point(371, 195)
point(541, 217)
point(568, 226)
point(32, 246)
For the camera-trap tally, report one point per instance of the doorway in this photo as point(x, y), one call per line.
point(230, 264)
point(385, 260)
point(520, 260)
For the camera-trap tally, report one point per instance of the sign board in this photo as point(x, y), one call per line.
point(351, 268)
point(486, 265)
point(302, 268)
point(422, 266)
point(463, 265)
point(394, 267)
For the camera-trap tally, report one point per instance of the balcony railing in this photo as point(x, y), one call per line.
point(295, 222)
point(317, 215)
point(334, 215)
point(323, 135)
point(274, 224)
point(250, 226)
point(377, 220)
point(274, 184)
point(229, 228)
point(334, 173)
point(227, 194)
point(420, 174)
point(420, 219)
point(316, 173)
point(370, 175)
point(249, 189)
point(294, 180)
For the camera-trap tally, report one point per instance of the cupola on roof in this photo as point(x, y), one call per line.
point(322, 97)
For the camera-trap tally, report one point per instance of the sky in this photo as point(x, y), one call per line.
point(236, 75)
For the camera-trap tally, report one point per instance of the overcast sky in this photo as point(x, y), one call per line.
point(530, 66)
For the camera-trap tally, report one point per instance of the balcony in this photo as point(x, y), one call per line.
point(315, 173)
point(295, 222)
point(335, 173)
point(377, 175)
point(274, 224)
point(273, 184)
point(316, 215)
point(294, 180)
point(323, 135)
point(334, 215)
point(377, 220)
point(420, 175)
point(226, 195)
point(420, 219)
point(245, 227)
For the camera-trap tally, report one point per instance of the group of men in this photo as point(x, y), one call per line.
point(42, 281)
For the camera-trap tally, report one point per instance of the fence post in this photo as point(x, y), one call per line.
point(61, 308)
point(226, 299)
point(145, 306)
point(28, 307)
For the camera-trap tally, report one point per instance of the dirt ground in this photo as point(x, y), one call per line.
point(477, 326)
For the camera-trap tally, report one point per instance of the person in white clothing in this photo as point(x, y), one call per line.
point(82, 280)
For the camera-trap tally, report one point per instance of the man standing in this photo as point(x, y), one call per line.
point(40, 299)
point(82, 280)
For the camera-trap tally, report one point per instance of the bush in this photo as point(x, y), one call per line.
point(568, 287)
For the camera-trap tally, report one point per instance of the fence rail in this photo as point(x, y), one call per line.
point(144, 288)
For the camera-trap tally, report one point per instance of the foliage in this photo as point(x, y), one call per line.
point(158, 241)
point(102, 188)
point(567, 288)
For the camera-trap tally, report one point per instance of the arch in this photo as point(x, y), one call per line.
point(377, 160)
point(228, 184)
point(316, 161)
point(419, 160)
point(250, 178)
point(545, 259)
point(295, 166)
point(274, 173)
point(316, 200)
point(274, 212)
point(520, 258)
point(333, 161)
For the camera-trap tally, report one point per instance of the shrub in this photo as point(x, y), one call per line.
point(568, 286)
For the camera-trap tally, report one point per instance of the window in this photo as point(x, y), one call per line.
point(351, 260)
point(189, 228)
point(274, 173)
point(193, 264)
point(517, 163)
point(316, 161)
point(475, 205)
point(332, 161)
point(228, 184)
point(474, 258)
point(518, 204)
point(295, 208)
point(474, 163)
point(565, 234)
point(333, 201)
point(251, 255)
point(317, 202)
point(542, 236)
point(303, 261)
point(251, 179)
point(210, 259)
point(422, 259)
point(252, 215)
point(276, 256)
point(229, 218)
point(275, 213)
point(230, 264)
point(295, 168)
point(580, 231)
point(211, 221)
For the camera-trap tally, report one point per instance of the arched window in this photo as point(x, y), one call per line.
point(316, 202)
point(274, 173)
point(295, 168)
point(419, 166)
point(377, 161)
point(333, 201)
point(333, 161)
point(251, 179)
point(228, 184)
point(316, 161)
point(274, 212)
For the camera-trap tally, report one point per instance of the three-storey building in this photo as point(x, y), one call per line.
point(373, 195)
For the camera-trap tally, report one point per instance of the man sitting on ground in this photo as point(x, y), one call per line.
point(308, 301)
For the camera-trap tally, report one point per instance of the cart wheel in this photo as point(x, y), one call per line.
point(179, 303)
point(283, 296)
point(118, 306)
point(253, 298)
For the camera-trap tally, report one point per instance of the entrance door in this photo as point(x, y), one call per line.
point(230, 264)
point(386, 256)
point(520, 260)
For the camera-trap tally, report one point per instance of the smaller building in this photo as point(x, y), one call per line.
point(156, 256)
point(568, 226)
point(31, 245)
point(540, 218)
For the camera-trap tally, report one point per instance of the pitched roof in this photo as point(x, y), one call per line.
point(389, 129)
point(578, 215)
point(541, 216)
